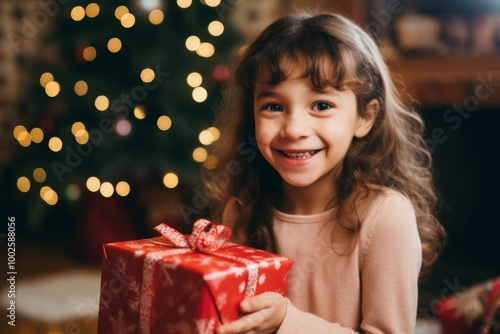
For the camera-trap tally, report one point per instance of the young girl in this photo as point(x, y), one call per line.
point(326, 165)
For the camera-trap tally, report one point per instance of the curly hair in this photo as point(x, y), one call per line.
point(392, 155)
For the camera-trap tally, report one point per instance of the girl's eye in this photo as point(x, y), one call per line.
point(273, 107)
point(322, 106)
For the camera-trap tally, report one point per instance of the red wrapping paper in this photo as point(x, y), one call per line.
point(154, 286)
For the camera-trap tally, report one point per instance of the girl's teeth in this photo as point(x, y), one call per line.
point(299, 156)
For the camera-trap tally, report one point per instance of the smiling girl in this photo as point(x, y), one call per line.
point(341, 181)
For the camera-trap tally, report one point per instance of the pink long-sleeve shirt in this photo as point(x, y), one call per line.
point(334, 288)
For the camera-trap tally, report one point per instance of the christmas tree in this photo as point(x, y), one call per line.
point(123, 98)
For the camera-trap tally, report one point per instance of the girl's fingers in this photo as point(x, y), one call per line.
point(262, 301)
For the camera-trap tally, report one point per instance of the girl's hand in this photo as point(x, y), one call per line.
point(265, 315)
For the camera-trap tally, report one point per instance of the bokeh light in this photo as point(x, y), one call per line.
point(77, 13)
point(122, 188)
point(215, 28)
point(170, 180)
point(194, 79)
point(147, 75)
point(93, 184)
point(120, 11)
point(52, 89)
point(200, 154)
point(36, 135)
point(184, 3)
point(193, 43)
point(45, 78)
point(89, 53)
point(200, 94)
point(127, 20)
point(81, 88)
point(39, 175)
point(92, 10)
point(23, 184)
point(205, 50)
point(101, 103)
point(140, 112)
point(156, 16)
point(107, 189)
point(164, 123)
point(55, 144)
point(114, 45)
point(212, 3)
point(123, 127)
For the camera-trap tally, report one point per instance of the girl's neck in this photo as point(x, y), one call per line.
point(306, 200)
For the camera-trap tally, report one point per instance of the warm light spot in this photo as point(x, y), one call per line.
point(101, 103)
point(77, 126)
point(200, 154)
point(92, 10)
point(120, 11)
point(36, 135)
point(52, 89)
point(206, 137)
point(164, 123)
point(147, 75)
point(73, 192)
point(194, 79)
point(170, 180)
point(107, 189)
point(39, 175)
point(23, 184)
point(122, 188)
point(215, 133)
point(82, 137)
point(114, 45)
point(156, 16)
point(206, 50)
point(89, 53)
point(78, 13)
point(200, 94)
point(24, 138)
point(128, 20)
point(18, 130)
point(93, 184)
point(215, 28)
point(123, 127)
point(212, 3)
point(193, 43)
point(55, 144)
point(81, 88)
point(46, 78)
point(184, 3)
point(140, 112)
point(211, 162)
point(48, 195)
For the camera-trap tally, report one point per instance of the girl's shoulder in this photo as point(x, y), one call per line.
point(388, 211)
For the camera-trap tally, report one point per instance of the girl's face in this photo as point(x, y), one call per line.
point(305, 132)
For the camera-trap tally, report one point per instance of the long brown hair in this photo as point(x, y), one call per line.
point(392, 155)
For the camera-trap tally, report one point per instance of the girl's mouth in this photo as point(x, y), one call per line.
point(299, 155)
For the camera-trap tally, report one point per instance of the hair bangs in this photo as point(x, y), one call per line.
point(323, 60)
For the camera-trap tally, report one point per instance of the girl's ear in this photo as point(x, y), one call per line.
point(365, 122)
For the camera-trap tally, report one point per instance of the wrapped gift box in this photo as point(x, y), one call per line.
point(183, 284)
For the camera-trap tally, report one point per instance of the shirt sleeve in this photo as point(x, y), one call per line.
point(390, 266)
point(390, 260)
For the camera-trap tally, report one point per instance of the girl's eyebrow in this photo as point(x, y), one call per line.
point(265, 94)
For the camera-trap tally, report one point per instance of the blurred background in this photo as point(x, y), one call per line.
point(105, 116)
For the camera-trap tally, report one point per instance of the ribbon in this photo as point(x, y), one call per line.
point(206, 236)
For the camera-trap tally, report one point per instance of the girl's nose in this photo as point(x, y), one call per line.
point(295, 127)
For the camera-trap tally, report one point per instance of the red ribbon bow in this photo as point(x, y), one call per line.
point(205, 237)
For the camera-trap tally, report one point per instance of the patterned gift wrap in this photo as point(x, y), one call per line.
point(183, 284)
